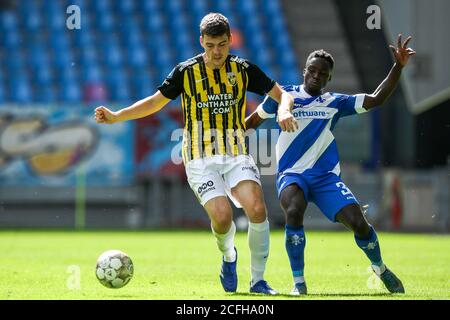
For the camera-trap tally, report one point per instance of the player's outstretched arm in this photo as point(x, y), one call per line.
point(387, 86)
point(253, 121)
point(140, 109)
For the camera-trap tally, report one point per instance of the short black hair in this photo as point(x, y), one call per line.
point(321, 54)
point(214, 25)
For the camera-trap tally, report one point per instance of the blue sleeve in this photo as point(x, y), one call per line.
point(350, 105)
point(268, 108)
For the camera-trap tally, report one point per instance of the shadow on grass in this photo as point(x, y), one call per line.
point(283, 295)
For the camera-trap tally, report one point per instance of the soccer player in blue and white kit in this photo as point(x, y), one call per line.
point(308, 163)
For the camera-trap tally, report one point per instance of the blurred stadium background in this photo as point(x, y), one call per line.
point(58, 169)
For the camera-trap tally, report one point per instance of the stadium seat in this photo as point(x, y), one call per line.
point(126, 7)
point(11, 40)
point(105, 22)
point(70, 92)
point(143, 83)
point(8, 21)
point(45, 94)
point(2, 94)
point(150, 7)
point(21, 91)
point(137, 56)
point(119, 90)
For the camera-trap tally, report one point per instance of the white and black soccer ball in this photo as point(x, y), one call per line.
point(114, 269)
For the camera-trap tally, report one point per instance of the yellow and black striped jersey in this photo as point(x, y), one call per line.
point(214, 102)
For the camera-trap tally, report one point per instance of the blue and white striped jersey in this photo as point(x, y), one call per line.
point(311, 148)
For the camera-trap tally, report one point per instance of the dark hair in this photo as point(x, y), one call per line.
point(214, 25)
point(321, 54)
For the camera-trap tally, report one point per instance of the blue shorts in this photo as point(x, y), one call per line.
point(327, 191)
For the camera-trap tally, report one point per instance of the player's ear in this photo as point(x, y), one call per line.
point(230, 39)
point(201, 40)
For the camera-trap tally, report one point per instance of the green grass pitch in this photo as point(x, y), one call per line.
point(185, 265)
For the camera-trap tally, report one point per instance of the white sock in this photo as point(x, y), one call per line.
point(225, 243)
point(379, 269)
point(299, 279)
point(258, 241)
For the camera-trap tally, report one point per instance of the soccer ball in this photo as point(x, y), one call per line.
point(114, 269)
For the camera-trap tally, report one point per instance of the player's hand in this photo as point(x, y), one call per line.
point(104, 115)
point(287, 121)
point(402, 52)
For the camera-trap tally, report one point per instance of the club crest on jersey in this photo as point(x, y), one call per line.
point(231, 77)
point(320, 100)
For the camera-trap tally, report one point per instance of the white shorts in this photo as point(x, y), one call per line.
point(215, 176)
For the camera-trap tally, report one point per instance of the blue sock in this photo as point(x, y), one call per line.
point(295, 242)
point(371, 247)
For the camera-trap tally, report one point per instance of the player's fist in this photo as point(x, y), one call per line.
point(287, 121)
point(104, 115)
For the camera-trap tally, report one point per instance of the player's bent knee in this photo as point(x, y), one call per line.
point(256, 212)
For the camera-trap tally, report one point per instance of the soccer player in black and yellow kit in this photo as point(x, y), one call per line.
point(213, 89)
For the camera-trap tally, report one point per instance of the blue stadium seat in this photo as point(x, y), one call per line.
point(100, 7)
point(112, 55)
point(150, 8)
point(3, 97)
point(173, 8)
point(92, 74)
point(137, 56)
point(105, 22)
point(88, 56)
point(33, 22)
point(21, 91)
point(65, 75)
point(271, 8)
point(155, 24)
point(70, 93)
point(223, 7)
point(118, 85)
point(45, 94)
point(60, 42)
point(8, 21)
point(15, 62)
point(126, 6)
point(248, 8)
point(42, 75)
point(144, 84)
point(11, 40)
point(64, 59)
point(84, 39)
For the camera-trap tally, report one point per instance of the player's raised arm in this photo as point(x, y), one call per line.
point(140, 109)
point(387, 86)
point(286, 120)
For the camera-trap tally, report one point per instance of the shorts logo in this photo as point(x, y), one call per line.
point(251, 169)
point(207, 186)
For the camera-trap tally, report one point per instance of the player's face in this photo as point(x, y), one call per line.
point(216, 49)
point(316, 75)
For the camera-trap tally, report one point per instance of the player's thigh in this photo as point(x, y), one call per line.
point(242, 181)
point(330, 194)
